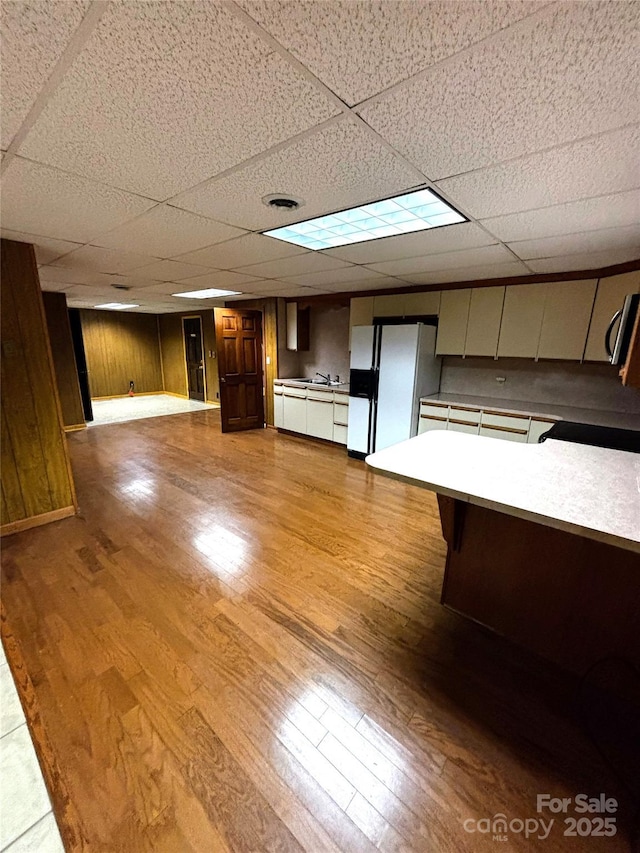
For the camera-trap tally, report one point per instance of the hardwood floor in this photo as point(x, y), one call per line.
point(238, 645)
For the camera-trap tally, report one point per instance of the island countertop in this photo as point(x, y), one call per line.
point(590, 491)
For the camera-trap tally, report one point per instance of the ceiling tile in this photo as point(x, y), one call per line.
point(566, 74)
point(75, 276)
point(586, 261)
point(466, 235)
point(358, 49)
point(172, 270)
point(339, 166)
point(224, 279)
point(298, 265)
point(166, 231)
point(470, 273)
point(333, 277)
point(34, 36)
point(585, 215)
point(40, 200)
point(186, 92)
point(46, 249)
point(250, 249)
point(109, 261)
point(592, 167)
point(575, 244)
point(405, 267)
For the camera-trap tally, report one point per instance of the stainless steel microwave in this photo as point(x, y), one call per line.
point(626, 318)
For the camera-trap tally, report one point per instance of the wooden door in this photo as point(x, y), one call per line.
point(193, 353)
point(239, 343)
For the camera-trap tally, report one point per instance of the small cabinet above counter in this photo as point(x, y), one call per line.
point(312, 409)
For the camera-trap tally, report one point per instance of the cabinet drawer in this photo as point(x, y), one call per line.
point(340, 433)
point(462, 413)
point(294, 391)
point(434, 410)
point(425, 424)
point(504, 433)
point(320, 396)
point(463, 426)
point(278, 389)
point(537, 428)
point(341, 413)
point(505, 421)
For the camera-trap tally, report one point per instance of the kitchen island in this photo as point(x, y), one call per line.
point(543, 539)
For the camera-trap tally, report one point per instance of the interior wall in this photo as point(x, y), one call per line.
point(64, 360)
point(591, 386)
point(121, 347)
point(173, 354)
point(329, 343)
point(37, 484)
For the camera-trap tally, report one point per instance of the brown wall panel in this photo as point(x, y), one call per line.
point(36, 473)
point(64, 360)
point(173, 355)
point(120, 348)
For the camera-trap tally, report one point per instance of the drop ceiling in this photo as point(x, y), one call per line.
point(139, 138)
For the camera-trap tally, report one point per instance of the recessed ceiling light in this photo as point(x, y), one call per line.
point(207, 294)
point(402, 214)
point(116, 306)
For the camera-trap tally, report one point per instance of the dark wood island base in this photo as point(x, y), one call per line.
point(570, 599)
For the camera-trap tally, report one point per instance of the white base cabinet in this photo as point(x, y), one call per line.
point(487, 422)
point(317, 412)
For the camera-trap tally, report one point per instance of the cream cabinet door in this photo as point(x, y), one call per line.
point(452, 322)
point(483, 326)
point(390, 305)
point(521, 321)
point(567, 311)
point(360, 313)
point(609, 298)
point(320, 417)
point(278, 409)
point(294, 412)
point(419, 304)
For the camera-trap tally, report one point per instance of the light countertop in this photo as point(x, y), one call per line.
point(341, 387)
point(590, 491)
point(597, 417)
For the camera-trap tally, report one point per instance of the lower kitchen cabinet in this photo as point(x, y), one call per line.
point(487, 422)
point(340, 433)
point(537, 428)
point(463, 426)
point(294, 413)
point(427, 423)
point(320, 417)
point(278, 409)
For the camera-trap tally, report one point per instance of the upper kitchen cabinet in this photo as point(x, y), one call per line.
point(407, 304)
point(360, 313)
point(609, 298)
point(521, 321)
point(297, 327)
point(483, 325)
point(452, 322)
point(567, 311)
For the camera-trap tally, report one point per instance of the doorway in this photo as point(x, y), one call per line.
point(193, 349)
point(239, 344)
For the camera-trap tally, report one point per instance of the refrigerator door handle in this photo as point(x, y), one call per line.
point(607, 337)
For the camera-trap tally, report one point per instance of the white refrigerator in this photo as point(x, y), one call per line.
point(391, 368)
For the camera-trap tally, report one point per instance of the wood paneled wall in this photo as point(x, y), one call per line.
point(120, 348)
point(37, 484)
point(173, 354)
point(64, 360)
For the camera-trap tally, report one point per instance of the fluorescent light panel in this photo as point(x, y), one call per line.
point(211, 293)
point(116, 306)
point(414, 211)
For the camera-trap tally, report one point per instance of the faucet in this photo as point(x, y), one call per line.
point(326, 378)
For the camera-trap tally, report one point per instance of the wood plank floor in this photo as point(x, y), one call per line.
point(238, 645)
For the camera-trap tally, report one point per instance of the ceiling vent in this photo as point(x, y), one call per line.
point(282, 202)
point(121, 286)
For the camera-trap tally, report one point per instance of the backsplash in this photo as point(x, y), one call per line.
point(592, 386)
point(329, 342)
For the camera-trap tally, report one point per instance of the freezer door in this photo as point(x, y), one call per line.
point(358, 425)
point(396, 385)
point(362, 347)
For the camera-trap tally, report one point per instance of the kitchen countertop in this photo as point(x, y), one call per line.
point(590, 491)
point(341, 388)
point(597, 417)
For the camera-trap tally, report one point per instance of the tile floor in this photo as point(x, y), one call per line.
point(27, 824)
point(123, 409)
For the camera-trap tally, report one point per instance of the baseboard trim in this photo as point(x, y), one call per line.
point(36, 520)
point(74, 427)
point(135, 394)
point(325, 441)
point(173, 394)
